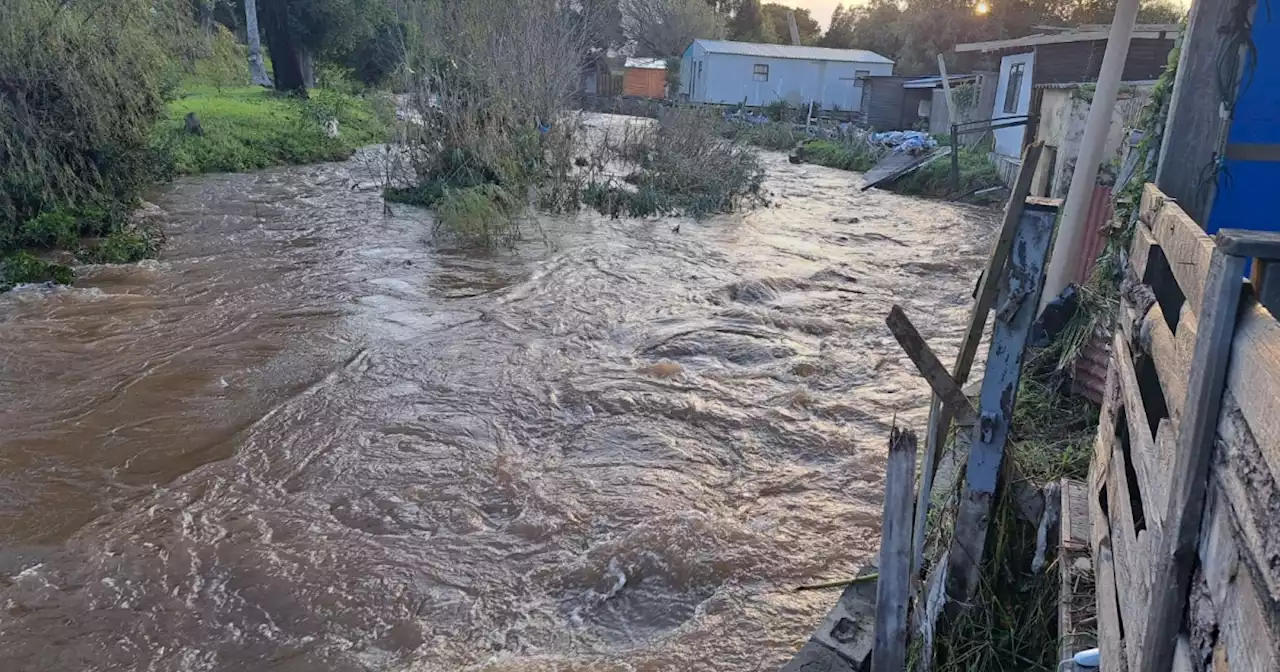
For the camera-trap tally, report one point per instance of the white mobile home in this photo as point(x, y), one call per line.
point(729, 73)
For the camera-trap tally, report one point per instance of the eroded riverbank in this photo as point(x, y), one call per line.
point(306, 440)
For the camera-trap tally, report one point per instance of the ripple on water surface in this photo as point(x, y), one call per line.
point(307, 440)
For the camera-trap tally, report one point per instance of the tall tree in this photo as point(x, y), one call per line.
point(600, 22)
point(775, 16)
point(285, 48)
point(839, 34)
point(747, 24)
point(257, 69)
point(665, 28)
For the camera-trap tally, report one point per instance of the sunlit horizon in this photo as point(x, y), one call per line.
point(821, 10)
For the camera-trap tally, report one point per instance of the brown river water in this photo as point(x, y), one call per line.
point(306, 439)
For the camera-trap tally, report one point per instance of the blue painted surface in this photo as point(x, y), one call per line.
point(1249, 191)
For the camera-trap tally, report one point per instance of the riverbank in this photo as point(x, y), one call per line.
point(240, 129)
point(853, 154)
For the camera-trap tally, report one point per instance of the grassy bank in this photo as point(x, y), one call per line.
point(931, 181)
point(247, 128)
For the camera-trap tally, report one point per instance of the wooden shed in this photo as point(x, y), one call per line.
point(645, 78)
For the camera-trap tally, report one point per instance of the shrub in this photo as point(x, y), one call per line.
point(779, 110)
point(934, 180)
point(683, 164)
point(483, 215)
point(24, 268)
point(50, 229)
point(853, 155)
point(491, 126)
point(123, 246)
point(776, 136)
point(80, 87)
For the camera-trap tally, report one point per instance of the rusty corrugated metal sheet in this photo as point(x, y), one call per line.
point(1089, 372)
point(1097, 221)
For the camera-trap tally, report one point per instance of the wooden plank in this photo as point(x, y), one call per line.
point(1251, 488)
point(930, 367)
point(893, 588)
point(1249, 243)
point(1077, 605)
point(1142, 444)
point(1190, 471)
point(988, 289)
point(1245, 619)
point(1016, 311)
point(1254, 377)
point(1140, 252)
point(1130, 558)
point(1189, 251)
point(1074, 534)
point(1110, 640)
point(1266, 284)
point(1172, 355)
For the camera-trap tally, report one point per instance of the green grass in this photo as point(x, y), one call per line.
point(934, 180)
point(247, 128)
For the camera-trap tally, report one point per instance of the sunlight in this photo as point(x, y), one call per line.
point(982, 8)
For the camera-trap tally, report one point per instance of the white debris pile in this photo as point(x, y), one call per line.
point(904, 142)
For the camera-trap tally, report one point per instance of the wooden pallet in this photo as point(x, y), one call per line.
point(1187, 452)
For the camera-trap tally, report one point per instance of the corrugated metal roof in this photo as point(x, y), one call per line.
point(1160, 32)
point(788, 51)
point(646, 64)
point(932, 82)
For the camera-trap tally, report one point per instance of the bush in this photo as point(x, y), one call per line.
point(249, 127)
point(80, 87)
point(483, 216)
point(123, 246)
point(24, 268)
point(934, 180)
point(684, 165)
point(854, 155)
point(776, 136)
point(491, 125)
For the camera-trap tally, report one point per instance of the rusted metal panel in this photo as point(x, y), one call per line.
point(1097, 220)
point(1089, 371)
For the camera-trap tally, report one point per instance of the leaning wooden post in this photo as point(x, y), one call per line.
point(894, 585)
point(1020, 287)
point(940, 418)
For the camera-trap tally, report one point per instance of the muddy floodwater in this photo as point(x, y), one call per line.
point(306, 439)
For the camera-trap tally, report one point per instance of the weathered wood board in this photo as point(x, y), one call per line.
point(1187, 461)
point(1016, 309)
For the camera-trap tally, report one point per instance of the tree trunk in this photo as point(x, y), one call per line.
point(257, 69)
point(308, 64)
point(285, 59)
